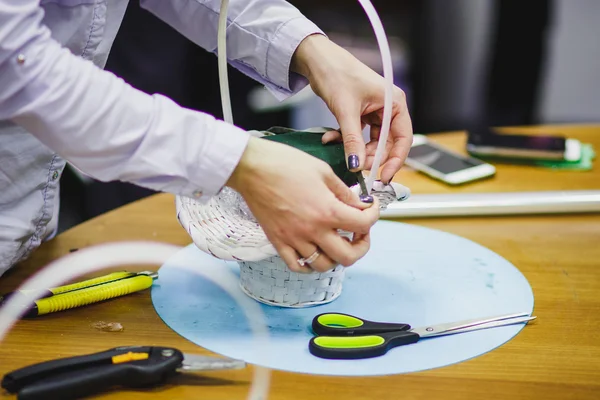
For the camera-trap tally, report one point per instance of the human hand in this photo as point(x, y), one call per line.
point(355, 95)
point(300, 203)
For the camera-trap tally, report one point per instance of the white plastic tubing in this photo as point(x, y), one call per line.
point(108, 255)
point(388, 75)
point(222, 62)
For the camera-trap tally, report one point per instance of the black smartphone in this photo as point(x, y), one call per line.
point(538, 147)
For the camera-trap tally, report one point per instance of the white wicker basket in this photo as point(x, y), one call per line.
point(225, 228)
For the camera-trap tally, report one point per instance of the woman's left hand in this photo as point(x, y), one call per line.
point(355, 95)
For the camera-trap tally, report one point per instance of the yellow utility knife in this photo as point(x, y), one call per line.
point(87, 292)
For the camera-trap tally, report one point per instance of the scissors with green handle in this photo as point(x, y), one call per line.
point(343, 336)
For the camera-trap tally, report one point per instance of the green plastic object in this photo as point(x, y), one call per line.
point(585, 163)
point(309, 141)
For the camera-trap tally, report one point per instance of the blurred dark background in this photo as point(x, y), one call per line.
point(463, 64)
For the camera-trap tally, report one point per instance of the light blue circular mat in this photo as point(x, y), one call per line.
point(413, 275)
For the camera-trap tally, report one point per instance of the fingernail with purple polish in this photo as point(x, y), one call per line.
point(366, 198)
point(353, 161)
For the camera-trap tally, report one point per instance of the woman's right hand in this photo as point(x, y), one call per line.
point(300, 203)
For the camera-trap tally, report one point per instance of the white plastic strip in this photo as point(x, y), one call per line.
point(388, 75)
point(222, 63)
point(103, 256)
point(478, 204)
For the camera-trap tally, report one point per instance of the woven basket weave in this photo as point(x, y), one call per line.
point(271, 282)
point(224, 228)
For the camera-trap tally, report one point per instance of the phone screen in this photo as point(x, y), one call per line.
point(440, 160)
point(533, 142)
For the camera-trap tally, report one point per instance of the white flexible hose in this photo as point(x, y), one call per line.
point(103, 256)
point(388, 75)
point(222, 58)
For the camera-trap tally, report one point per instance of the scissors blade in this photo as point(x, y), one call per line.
point(472, 325)
point(363, 185)
point(195, 362)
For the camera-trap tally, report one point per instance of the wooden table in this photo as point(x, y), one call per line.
point(558, 357)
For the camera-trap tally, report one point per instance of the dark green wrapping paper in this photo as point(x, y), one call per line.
point(309, 141)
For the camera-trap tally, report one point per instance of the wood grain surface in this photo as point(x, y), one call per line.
point(557, 357)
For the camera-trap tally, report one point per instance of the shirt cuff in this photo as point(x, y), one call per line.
point(221, 157)
point(279, 56)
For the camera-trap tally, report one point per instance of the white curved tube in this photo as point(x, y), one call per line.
point(102, 256)
point(222, 63)
point(388, 75)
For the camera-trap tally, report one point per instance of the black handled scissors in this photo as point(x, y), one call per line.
point(343, 336)
point(91, 374)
